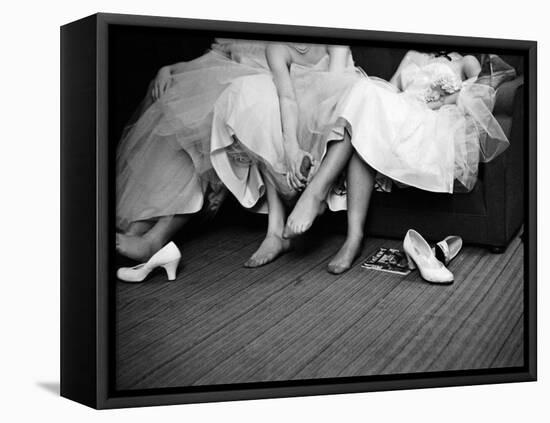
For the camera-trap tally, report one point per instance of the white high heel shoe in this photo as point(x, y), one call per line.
point(419, 254)
point(167, 257)
point(448, 249)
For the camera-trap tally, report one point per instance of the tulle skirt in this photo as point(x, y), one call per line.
point(247, 140)
point(403, 139)
point(163, 162)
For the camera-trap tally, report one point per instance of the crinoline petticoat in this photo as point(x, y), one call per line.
point(163, 162)
point(247, 140)
point(399, 136)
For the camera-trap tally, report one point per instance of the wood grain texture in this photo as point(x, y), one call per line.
point(221, 323)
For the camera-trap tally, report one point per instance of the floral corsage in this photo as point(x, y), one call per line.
point(442, 86)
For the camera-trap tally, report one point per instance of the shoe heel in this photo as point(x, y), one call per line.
point(410, 262)
point(171, 268)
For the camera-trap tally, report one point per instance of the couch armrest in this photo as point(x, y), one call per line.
point(505, 95)
point(503, 178)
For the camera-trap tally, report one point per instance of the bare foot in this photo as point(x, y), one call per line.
point(138, 248)
point(308, 207)
point(345, 257)
point(271, 248)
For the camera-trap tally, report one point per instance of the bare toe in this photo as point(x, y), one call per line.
point(251, 263)
point(308, 207)
point(289, 233)
point(337, 269)
point(271, 248)
point(344, 258)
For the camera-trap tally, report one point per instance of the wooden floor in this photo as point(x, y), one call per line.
point(221, 323)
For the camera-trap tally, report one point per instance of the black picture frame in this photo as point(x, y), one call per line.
point(86, 217)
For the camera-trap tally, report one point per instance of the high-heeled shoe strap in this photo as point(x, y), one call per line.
point(442, 252)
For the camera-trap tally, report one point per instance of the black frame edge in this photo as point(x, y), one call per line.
point(531, 238)
point(78, 360)
point(310, 31)
point(322, 388)
point(102, 397)
point(103, 340)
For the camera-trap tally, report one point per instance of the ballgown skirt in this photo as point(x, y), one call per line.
point(247, 141)
point(163, 165)
point(400, 137)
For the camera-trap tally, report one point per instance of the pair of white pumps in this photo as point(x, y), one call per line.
point(431, 262)
point(168, 257)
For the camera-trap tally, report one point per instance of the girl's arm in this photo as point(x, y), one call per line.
point(176, 68)
point(451, 98)
point(471, 68)
point(163, 78)
point(278, 58)
point(407, 59)
point(338, 56)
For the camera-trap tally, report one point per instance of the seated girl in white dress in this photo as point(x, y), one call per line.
point(264, 127)
point(428, 128)
point(163, 168)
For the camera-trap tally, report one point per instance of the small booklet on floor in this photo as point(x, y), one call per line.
point(388, 260)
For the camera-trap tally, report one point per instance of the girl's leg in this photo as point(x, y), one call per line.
point(140, 242)
point(140, 227)
point(312, 201)
point(142, 247)
point(360, 182)
point(274, 244)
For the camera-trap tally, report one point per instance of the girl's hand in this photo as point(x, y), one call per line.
point(435, 105)
point(161, 83)
point(295, 178)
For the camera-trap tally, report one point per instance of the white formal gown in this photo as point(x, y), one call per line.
point(399, 136)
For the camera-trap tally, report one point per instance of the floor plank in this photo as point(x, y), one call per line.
point(221, 323)
point(180, 327)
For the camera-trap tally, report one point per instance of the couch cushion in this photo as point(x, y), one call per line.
point(514, 60)
point(505, 95)
point(505, 123)
point(417, 200)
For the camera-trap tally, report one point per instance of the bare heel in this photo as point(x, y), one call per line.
point(410, 262)
point(171, 269)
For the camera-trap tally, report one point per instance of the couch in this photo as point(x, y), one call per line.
point(492, 213)
point(489, 215)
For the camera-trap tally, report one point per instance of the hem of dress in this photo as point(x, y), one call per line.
point(339, 130)
point(158, 216)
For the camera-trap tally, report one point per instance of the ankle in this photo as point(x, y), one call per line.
point(317, 191)
point(354, 237)
point(155, 242)
point(275, 233)
point(276, 229)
